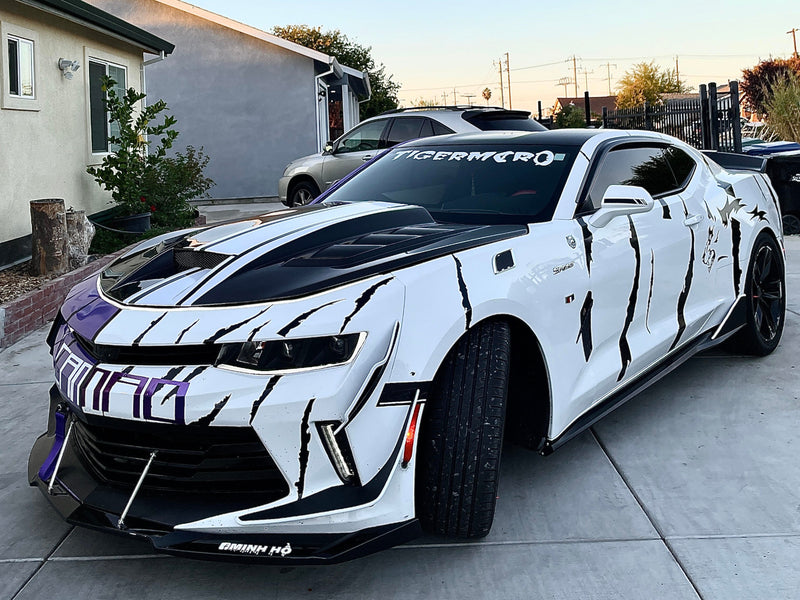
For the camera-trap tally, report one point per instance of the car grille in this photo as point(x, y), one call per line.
point(192, 460)
point(188, 354)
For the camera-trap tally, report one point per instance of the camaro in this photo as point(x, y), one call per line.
point(321, 382)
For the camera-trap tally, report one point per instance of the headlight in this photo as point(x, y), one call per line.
point(291, 354)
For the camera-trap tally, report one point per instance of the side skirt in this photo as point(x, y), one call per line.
point(707, 340)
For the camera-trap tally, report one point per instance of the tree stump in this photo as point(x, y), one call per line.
point(49, 251)
point(80, 232)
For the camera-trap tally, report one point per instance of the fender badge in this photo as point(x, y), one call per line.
point(562, 268)
point(571, 241)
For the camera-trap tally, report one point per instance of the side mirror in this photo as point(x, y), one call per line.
point(620, 200)
point(328, 148)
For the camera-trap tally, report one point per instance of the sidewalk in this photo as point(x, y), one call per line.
point(691, 490)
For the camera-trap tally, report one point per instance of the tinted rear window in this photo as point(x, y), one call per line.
point(503, 120)
point(466, 183)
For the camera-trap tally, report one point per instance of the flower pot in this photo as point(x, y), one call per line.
point(134, 223)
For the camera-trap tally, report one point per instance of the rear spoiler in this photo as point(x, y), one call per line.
point(738, 162)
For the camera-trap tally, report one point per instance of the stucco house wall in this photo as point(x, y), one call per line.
point(45, 142)
point(251, 104)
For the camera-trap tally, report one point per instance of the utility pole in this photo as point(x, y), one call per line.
point(508, 78)
point(586, 77)
point(677, 73)
point(608, 70)
point(444, 95)
point(455, 98)
point(565, 81)
point(575, 74)
point(793, 32)
point(502, 97)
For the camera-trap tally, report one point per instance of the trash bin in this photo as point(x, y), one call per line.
point(784, 171)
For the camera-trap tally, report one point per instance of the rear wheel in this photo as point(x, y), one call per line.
point(765, 298)
point(302, 193)
point(462, 435)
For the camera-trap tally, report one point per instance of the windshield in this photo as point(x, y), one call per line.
point(467, 183)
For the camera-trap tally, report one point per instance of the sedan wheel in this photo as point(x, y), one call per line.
point(303, 193)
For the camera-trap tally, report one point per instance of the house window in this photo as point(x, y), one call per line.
point(101, 128)
point(20, 67)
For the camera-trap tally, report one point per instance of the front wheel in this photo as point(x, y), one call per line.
point(765, 298)
point(302, 193)
point(461, 436)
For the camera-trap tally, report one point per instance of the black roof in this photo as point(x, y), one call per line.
point(559, 137)
point(91, 16)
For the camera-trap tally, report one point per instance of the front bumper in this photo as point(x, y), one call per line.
point(82, 499)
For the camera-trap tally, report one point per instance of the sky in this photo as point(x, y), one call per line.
point(436, 50)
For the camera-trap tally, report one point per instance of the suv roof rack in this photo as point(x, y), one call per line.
point(456, 107)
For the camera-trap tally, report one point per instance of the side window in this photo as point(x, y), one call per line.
point(681, 163)
point(101, 129)
point(641, 166)
point(439, 129)
point(364, 137)
point(404, 128)
point(20, 67)
point(20, 47)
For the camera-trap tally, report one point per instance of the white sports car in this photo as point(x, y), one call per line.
point(322, 382)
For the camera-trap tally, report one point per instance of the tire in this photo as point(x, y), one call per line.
point(791, 224)
point(302, 193)
point(461, 436)
point(765, 298)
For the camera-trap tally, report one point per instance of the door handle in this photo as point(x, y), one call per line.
point(693, 220)
point(366, 158)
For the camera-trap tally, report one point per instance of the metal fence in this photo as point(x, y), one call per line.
point(709, 122)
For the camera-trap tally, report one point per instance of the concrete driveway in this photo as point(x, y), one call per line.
point(691, 490)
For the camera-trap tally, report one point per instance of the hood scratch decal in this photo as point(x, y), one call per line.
point(687, 285)
point(586, 325)
point(270, 385)
point(462, 286)
point(587, 243)
point(362, 301)
point(650, 293)
point(736, 240)
point(257, 329)
point(180, 337)
point(227, 330)
point(624, 347)
point(146, 331)
point(297, 320)
point(305, 439)
point(205, 421)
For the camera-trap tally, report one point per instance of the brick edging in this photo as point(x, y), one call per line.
point(26, 314)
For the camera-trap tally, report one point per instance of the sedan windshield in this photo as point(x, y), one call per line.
point(467, 183)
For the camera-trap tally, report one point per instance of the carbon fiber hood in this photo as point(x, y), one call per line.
point(288, 254)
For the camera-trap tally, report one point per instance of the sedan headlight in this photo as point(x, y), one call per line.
point(291, 354)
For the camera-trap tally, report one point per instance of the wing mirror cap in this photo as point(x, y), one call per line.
point(622, 200)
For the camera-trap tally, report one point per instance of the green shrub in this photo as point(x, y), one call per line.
point(143, 178)
point(783, 108)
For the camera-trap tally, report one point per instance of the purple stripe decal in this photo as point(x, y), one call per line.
point(46, 470)
point(79, 296)
point(90, 320)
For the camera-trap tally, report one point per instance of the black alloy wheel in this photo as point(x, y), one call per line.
point(765, 295)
